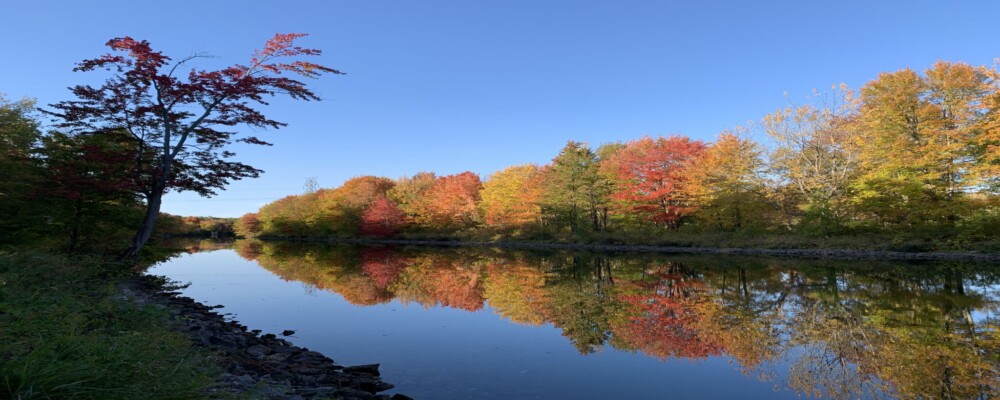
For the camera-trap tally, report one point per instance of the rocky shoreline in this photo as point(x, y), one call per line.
point(261, 366)
point(835, 254)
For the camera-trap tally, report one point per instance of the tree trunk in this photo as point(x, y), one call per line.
point(145, 230)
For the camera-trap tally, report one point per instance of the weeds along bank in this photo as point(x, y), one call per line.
point(65, 332)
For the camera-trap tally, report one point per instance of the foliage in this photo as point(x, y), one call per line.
point(173, 225)
point(409, 193)
point(449, 204)
point(730, 185)
point(341, 209)
point(20, 172)
point(652, 178)
point(247, 225)
point(511, 198)
point(382, 218)
point(58, 191)
point(575, 194)
point(177, 129)
point(815, 154)
point(908, 163)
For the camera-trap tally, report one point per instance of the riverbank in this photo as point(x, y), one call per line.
point(85, 328)
point(66, 333)
point(265, 365)
point(814, 253)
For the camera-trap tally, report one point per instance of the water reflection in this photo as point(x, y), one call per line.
point(825, 329)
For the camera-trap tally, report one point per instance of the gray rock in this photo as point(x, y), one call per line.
point(259, 351)
point(278, 357)
point(370, 369)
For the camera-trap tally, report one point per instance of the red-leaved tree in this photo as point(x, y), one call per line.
point(180, 125)
point(382, 218)
point(652, 177)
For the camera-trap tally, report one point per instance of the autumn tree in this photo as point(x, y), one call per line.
point(382, 218)
point(451, 202)
point(987, 167)
point(653, 178)
point(728, 182)
point(247, 225)
point(408, 193)
point(288, 216)
point(509, 200)
point(922, 142)
point(815, 153)
point(184, 122)
point(957, 92)
point(893, 117)
point(340, 210)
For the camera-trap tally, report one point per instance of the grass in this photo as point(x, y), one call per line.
point(65, 334)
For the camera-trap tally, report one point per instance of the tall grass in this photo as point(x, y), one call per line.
point(66, 334)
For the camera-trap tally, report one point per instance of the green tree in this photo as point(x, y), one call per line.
point(574, 191)
point(20, 171)
point(91, 200)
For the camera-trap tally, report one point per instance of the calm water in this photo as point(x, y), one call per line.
point(475, 323)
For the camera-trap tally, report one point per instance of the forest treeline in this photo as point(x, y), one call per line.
point(909, 155)
point(73, 192)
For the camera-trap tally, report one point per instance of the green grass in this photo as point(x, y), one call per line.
point(65, 334)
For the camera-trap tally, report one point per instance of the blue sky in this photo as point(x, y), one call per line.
point(449, 86)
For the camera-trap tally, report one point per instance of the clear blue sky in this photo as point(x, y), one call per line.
point(449, 86)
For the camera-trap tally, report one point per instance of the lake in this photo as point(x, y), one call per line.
point(463, 323)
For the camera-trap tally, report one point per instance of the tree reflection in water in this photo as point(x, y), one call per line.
point(827, 329)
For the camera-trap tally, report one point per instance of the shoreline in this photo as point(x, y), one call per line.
point(259, 365)
point(811, 253)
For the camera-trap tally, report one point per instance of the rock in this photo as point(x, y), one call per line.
point(287, 349)
point(278, 357)
point(350, 393)
point(213, 340)
point(398, 396)
point(287, 332)
point(370, 369)
point(259, 351)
